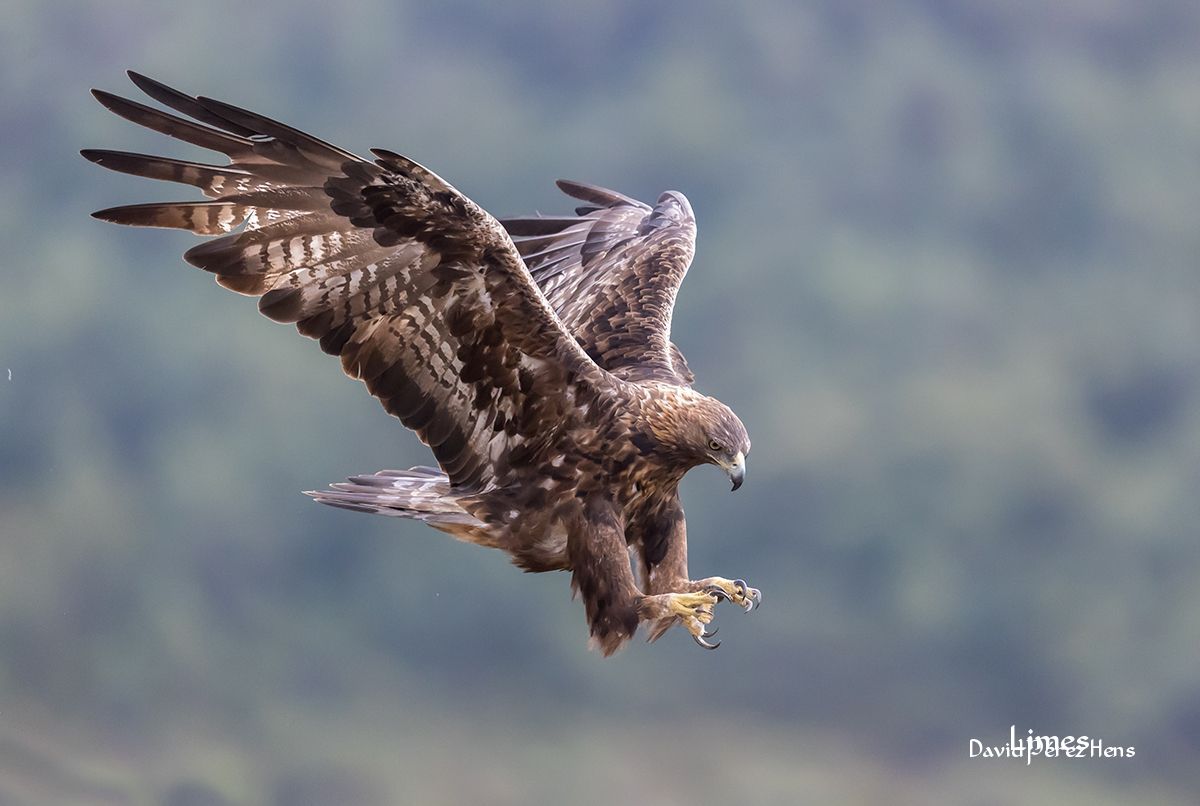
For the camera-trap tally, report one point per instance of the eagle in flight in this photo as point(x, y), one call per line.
point(532, 355)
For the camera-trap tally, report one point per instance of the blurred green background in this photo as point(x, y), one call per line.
point(947, 274)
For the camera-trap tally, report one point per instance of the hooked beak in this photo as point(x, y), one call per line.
point(737, 470)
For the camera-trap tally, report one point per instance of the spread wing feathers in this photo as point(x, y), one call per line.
point(612, 272)
point(417, 289)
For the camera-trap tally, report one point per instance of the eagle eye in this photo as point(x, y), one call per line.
point(713, 445)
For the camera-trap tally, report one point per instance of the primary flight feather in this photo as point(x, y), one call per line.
point(532, 355)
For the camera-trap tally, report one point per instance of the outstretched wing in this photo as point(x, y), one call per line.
point(418, 290)
point(611, 272)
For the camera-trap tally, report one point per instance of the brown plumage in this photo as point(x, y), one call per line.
point(533, 356)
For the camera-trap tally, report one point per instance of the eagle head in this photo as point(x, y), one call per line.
point(725, 441)
point(696, 429)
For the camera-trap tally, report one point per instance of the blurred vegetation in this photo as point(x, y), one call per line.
point(946, 274)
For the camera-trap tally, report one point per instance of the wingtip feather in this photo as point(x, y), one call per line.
point(594, 194)
point(113, 215)
point(149, 85)
point(106, 98)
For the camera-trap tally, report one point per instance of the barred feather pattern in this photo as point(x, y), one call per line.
point(419, 493)
point(419, 291)
point(612, 272)
point(533, 357)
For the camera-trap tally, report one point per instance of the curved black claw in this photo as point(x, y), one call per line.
point(700, 640)
point(753, 600)
point(751, 597)
point(708, 634)
point(717, 591)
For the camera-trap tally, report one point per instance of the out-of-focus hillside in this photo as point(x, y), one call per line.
point(947, 274)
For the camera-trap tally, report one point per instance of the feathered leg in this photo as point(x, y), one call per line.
point(601, 574)
point(662, 544)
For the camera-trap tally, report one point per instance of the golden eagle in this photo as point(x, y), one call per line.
point(532, 355)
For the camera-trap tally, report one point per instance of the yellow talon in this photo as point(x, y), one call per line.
point(694, 610)
point(735, 590)
point(693, 605)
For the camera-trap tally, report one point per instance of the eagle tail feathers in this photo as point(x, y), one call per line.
point(419, 493)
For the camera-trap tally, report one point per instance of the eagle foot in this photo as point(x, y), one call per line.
point(694, 610)
point(735, 590)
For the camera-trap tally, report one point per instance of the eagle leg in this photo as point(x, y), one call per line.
point(693, 609)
